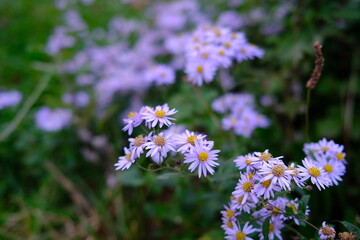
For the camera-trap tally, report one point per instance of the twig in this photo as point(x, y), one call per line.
point(26, 107)
point(319, 63)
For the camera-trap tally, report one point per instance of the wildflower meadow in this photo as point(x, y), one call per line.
point(179, 119)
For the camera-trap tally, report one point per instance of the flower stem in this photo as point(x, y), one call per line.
point(307, 122)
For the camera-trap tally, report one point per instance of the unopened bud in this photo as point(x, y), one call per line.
point(269, 207)
point(309, 187)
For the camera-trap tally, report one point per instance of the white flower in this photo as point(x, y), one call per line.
point(159, 115)
point(326, 232)
point(202, 158)
point(315, 173)
point(125, 161)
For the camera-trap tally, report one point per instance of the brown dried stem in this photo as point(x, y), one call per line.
point(319, 63)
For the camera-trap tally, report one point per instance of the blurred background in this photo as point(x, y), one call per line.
point(88, 60)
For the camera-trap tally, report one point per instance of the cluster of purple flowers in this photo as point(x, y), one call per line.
point(210, 48)
point(9, 98)
point(263, 177)
point(158, 145)
point(242, 116)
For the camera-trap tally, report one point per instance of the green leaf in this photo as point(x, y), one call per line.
point(303, 203)
point(351, 227)
point(266, 228)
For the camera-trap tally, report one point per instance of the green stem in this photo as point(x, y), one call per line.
point(26, 107)
point(307, 122)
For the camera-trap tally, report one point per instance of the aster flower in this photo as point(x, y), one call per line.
point(159, 115)
point(200, 71)
point(125, 161)
point(326, 232)
point(277, 172)
point(295, 175)
point(53, 120)
point(159, 146)
point(245, 189)
point(274, 229)
point(229, 213)
point(315, 173)
point(244, 162)
point(266, 189)
point(9, 98)
point(294, 205)
point(236, 202)
point(137, 145)
point(333, 170)
point(240, 233)
point(260, 158)
point(202, 158)
point(133, 119)
point(186, 141)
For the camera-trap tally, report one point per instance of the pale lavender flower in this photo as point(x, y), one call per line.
point(315, 172)
point(240, 233)
point(159, 115)
point(53, 120)
point(137, 145)
point(9, 98)
point(186, 141)
point(203, 158)
point(125, 161)
point(276, 172)
point(133, 119)
point(158, 147)
point(78, 99)
point(245, 189)
point(59, 40)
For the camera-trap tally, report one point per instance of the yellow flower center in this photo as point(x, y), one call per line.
point(217, 32)
point(340, 156)
point(271, 227)
point(128, 157)
point(247, 161)
point(240, 235)
point(247, 186)
point(315, 172)
point(131, 115)
point(276, 211)
point(325, 148)
point(229, 224)
point(191, 140)
point(139, 140)
point(196, 39)
point(328, 168)
point(159, 141)
point(266, 183)
point(295, 171)
point(240, 199)
point(265, 156)
point(230, 213)
point(221, 53)
point(160, 113)
point(278, 170)
point(227, 45)
point(200, 69)
point(205, 55)
point(203, 156)
point(292, 206)
point(243, 50)
point(250, 175)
